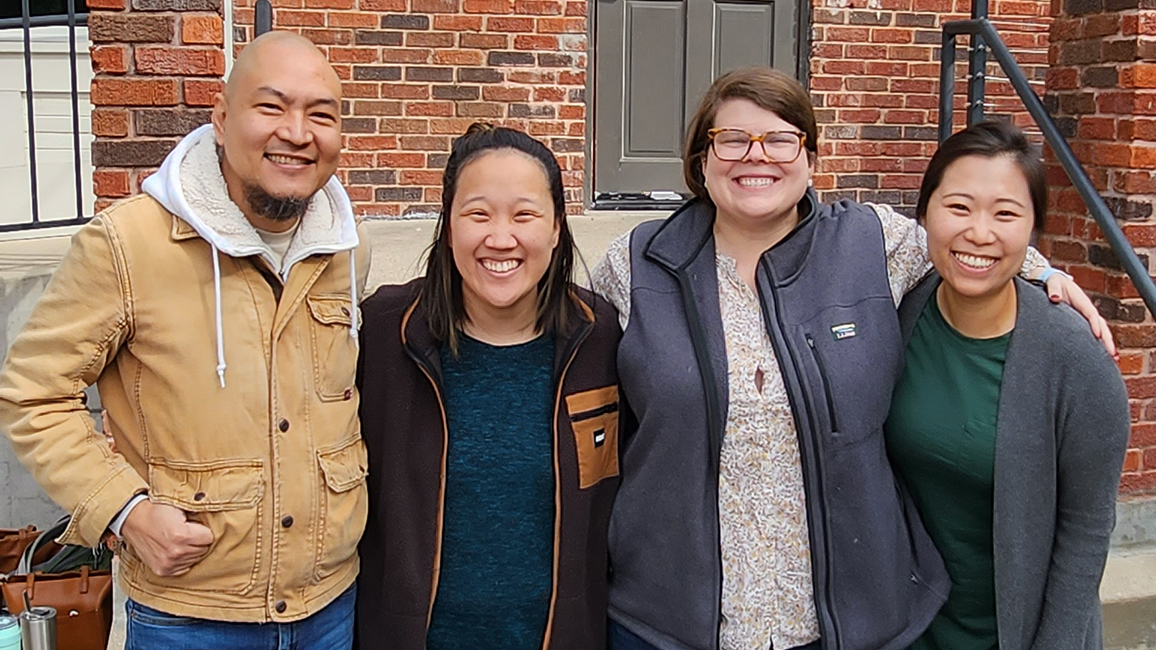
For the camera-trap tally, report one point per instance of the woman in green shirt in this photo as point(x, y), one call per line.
point(1010, 422)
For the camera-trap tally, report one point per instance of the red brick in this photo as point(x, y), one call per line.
point(382, 5)
point(352, 90)
point(577, 8)
point(202, 92)
point(892, 35)
point(352, 55)
point(356, 20)
point(300, 18)
point(110, 123)
point(429, 39)
point(405, 160)
point(459, 57)
point(538, 7)
point(848, 34)
point(484, 41)
point(204, 29)
point(458, 23)
point(419, 177)
point(1138, 483)
point(114, 5)
point(510, 24)
point(134, 92)
point(535, 42)
point(401, 55)
point(329, 4)
point(505, 94)
point(109, 59)
point(562, 25)
point(430, 109)
point(1131, 363)
point(372, 142)
point(404, 91)
point(110, 183)
point(488, 6)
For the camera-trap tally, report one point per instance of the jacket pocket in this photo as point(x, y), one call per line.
point(344, 504)
point(594, 420)
point(334, 350)
point(226, 496)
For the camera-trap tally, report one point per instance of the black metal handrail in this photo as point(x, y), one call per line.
point(26, 22)
point(984, 36)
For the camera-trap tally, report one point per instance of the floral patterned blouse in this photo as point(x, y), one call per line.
point(767, 590)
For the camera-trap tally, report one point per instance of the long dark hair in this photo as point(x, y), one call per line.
point(441, 294)
point(989, 139)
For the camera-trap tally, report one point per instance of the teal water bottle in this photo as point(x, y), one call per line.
point(9, 633)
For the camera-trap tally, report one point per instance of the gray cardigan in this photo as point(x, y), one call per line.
point(1062, 430)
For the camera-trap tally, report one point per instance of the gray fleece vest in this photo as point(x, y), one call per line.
point(828, 309)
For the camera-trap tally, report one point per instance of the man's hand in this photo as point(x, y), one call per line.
point(164, 538)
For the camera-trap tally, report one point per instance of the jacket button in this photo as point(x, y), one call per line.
point(914, 578)
point(345, 310)
point(348, 394)
point(286, 521)
point(283, 425)
point(199, 496)
point(280, 606)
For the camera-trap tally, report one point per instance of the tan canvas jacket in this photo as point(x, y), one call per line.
point(272, 463)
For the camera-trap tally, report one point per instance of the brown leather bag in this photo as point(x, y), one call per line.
point(81, 595)
point(13, 541)
point(82, 599)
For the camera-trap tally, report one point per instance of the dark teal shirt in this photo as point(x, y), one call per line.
point(941, 439)
point(497, 555)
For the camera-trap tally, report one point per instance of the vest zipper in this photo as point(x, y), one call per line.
point(826, 382)
point(815, 520)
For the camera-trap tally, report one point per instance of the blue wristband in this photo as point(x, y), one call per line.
point(1049, 272)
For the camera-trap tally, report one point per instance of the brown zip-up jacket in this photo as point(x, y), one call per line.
point(404, 426)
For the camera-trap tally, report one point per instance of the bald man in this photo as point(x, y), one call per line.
point(217, 314)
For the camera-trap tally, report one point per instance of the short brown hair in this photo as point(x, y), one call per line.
point(767, 88)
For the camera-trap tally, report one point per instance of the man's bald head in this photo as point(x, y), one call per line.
point(279, 124)
point(277, 47)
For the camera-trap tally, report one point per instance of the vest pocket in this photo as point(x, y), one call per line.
point(226, 497)
point(344, 504)
point(594, 421)
point(334, 350)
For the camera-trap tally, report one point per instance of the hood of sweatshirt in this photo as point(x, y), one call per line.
point(190, 185)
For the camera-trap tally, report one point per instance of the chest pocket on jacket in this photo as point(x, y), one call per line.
point(594, 420)
point(334, 350)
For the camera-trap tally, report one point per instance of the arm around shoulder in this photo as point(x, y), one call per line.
point(73, 333)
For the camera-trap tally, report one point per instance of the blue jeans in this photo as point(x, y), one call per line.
point(329, 629)
point(620, 638)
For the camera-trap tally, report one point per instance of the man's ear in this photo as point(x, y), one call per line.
point(220, 105)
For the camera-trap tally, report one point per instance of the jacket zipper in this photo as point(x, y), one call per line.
point(427, 370)
point(593, 413)
point(823, 590)
point(826, 382)
point(570, 355)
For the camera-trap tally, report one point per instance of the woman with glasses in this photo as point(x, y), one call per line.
point(760, 347)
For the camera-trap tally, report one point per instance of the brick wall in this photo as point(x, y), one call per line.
point(416, 73)
point(1102, 87)
point(157, 65)
point(875, 85)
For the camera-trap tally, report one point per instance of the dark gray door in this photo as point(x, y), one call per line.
point(654, 59)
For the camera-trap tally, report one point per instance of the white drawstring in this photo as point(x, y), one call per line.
point(220, 328)
point(353, 295)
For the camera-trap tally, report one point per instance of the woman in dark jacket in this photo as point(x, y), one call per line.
point(761, 342)
point(1010, 423)
point(490, 413)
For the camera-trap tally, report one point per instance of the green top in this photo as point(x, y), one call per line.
point(941, 439)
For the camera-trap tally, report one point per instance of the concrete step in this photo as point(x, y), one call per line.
point(1128, 592)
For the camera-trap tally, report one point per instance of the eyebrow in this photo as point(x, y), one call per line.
point(965, 195)
point(324, 101)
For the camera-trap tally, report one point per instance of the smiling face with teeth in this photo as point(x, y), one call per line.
point(503, 231)
point(979, 224)
point(755, 193)
point(278, 123)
